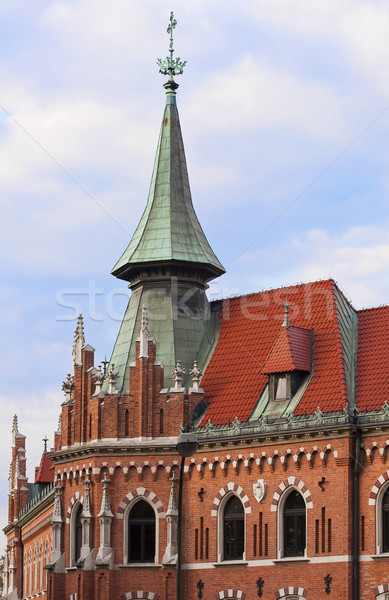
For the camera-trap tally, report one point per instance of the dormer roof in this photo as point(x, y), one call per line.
point(291, 351)
point(45, 473)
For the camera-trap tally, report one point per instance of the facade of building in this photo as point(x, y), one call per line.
point(287, 496)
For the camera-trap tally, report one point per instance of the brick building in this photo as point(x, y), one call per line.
point(287, 496)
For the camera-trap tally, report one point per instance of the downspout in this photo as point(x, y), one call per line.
point(355, 556)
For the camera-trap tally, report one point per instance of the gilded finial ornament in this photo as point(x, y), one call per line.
point(171, 66)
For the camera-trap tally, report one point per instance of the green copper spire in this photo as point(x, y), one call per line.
point(168, 261)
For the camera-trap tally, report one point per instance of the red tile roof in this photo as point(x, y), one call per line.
point(249, 325)
point(45, 474)
point(290, 352)
point(373, 358)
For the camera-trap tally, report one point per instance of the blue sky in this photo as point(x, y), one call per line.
point(285, 115)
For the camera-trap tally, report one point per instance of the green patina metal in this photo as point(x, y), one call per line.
point(171, 66)
point(169, 229)
point(168, 261)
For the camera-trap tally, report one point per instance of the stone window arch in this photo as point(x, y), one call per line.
point(382, 519)
point(232, 594)
point(291, 593)
point(227, 489)
point(382, 591)
point(140, 594)
point(294, 482)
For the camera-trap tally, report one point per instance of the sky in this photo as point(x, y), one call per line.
point(284, 109)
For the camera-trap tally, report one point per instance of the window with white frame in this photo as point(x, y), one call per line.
point(231, 529)
point(140, 533)
point(292, 525)
point(382, 520)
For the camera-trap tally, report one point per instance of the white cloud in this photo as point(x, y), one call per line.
point(250, 94)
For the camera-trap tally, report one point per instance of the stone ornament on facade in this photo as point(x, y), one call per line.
point(56, 527)
point(144, 334)
point(79, 342)
point(86, 524)
point(105, 553)
point(112, 377)
point(98, 378)
point(67, 388)
point(170, 556)
point(259, 490)
point(196, 373)
point(178, 376)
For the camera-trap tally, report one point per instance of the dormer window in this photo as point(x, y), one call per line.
point(288, 366)
point(283, 386)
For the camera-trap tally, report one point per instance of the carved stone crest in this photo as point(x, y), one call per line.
point(259, 490)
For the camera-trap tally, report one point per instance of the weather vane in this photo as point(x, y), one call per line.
point(171, 66)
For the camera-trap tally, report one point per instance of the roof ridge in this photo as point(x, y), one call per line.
point(340, 344)
point(371, 308)
point(277, 289)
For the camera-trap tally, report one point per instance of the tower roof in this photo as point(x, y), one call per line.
point(169, 231)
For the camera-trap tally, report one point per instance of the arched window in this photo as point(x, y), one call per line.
point(36, 567)
point(385, 521)
point(141, 533)
point(233, 529)
point(41, 567)
point(75, 533)
point(78, 534)
point(294, 521)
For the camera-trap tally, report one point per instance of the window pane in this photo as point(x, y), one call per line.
point(142, 510)
point(78, 534)
point(294, 525)
point(135, 537)
point(233, 506)
point(294, 500)
point(385, 523)
point(141, 533)
point(149, 542)
point(233, 529)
